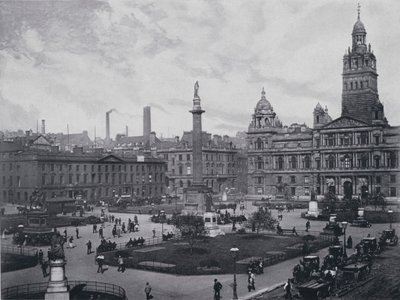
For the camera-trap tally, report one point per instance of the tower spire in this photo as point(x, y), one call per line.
point(263, 92)
point(358, 10)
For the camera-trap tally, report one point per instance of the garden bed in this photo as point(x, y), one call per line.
point(214, 255)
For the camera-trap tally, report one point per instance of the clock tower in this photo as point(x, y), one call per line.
point(360, 99)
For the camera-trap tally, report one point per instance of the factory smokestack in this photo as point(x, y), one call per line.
point(108, 126)
point(126, 131)
point(146, 121)
point(43, 126)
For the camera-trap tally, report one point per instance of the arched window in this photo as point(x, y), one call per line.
point(363, 161)
point(331, 161)
point(280, 162)
point(307, 162)
point(259, 144)
point(391, 160)
point(293, 162)
point(260, 163)
point(377, 159)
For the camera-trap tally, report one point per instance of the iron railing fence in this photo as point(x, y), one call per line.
point(23, 250)
point(24, 290)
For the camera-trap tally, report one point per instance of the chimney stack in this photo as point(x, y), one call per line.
point(126, 130)
point(43, 126)
point(146, 121)
point(108, 126)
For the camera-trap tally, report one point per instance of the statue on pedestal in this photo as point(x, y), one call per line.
point(57, 247)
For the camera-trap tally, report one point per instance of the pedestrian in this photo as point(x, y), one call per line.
point(40, 256)
point(308, 225)
point(154, 232)
point(294, 230)
point(101, 233)
point(288, 289)
point(89, 247)
point(77, 233)
point(349, 242)
point(123, 227)
point(44, 268)
point(70, 243)
point(251, 282)
point(114, 231)
point(119, 232)
point(217, 289)
point(65, 233)
point(147, 291)
point(100, 262)
point(94, 228)
point(121, 265)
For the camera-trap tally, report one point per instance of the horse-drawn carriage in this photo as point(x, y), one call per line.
point(333, 227)
point(389, 238)
point(315, 289)
point(256, 265)
point(302, 271)
point(368, 246)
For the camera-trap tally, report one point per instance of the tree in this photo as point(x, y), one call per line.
point(263, 219)
point(191, 228)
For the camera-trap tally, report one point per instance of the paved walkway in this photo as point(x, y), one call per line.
point(80, 266)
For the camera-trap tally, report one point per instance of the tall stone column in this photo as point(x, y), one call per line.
point(197, 139)
point(197, 197)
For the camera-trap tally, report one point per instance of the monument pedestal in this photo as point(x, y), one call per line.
point(57, 288)
point(197, 200)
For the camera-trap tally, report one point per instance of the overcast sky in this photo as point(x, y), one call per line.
point(71, 61)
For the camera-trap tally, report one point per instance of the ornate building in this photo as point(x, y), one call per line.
point(355, 154)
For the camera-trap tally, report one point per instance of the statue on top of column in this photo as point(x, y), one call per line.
point(196, 89)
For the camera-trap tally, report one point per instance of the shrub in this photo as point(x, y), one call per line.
point(308, 237)
point(194, 250)
point(209, 263)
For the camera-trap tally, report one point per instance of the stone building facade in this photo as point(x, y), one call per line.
point(355, 154)
point(219, 163)
point(93, 176)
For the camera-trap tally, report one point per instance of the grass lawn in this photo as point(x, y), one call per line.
point(12, 262)
point(213, 252)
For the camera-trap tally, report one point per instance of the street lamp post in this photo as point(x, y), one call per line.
point(344, 225)
point(390, 212)
point(234, 252)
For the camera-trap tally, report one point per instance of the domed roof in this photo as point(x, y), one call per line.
point(263, 104)
point(359, 27)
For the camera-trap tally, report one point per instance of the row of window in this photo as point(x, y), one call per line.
point(101, 168)
point(293, 179)
point(211, 157)
point(107, 178)
point(346, 162)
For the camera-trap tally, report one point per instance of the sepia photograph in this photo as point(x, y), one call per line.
point(200, 149)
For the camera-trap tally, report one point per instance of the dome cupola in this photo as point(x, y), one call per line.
point(263, 105)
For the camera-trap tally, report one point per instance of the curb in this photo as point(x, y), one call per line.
point(263, 291)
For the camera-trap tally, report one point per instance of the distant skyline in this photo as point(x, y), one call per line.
point(69, 62)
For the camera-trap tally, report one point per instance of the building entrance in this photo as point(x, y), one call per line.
point(347, 189)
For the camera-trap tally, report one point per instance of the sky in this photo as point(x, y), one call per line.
point(70, 61)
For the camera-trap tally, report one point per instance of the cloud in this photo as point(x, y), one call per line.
point(13, 116)
point(75, 60)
